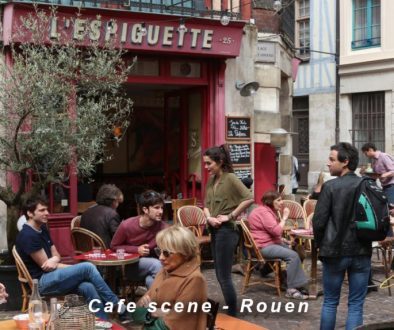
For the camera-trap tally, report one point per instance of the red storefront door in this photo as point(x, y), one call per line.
point(264, 169)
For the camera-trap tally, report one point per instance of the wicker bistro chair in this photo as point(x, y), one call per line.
point(309, 206)
point(25, 280)
point(193, 218)
point(84, 240)
point(297, 217)
point(178, 203)
point(75, 222)
point(255, 258)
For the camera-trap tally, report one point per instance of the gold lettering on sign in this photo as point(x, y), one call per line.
point(112, 28)
point(53, 31)
point(195, 33)
point(79, 28)
point(126, 32)
point(207, 39)
point(181, 37)
point(123, 34)
point(167, 35)
point(153, 34)
point(136, 37)
point(94, 33)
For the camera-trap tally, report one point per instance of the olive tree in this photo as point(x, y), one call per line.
point(59, 104)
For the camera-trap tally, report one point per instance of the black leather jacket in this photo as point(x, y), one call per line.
point(335, 235)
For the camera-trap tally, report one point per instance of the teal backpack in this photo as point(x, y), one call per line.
point(372, 220)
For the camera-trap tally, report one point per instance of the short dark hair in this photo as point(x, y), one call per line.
point(150, 198)
point(107, 194)
point(269, 197)
point(347, 152)
point(367, 146)
point(31, 203)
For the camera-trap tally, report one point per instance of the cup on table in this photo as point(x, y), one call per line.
point(120, 253)
point(97, 251)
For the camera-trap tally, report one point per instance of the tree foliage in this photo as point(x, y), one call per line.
point(59, 104)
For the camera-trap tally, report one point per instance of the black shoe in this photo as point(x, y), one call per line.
point(265, 270)
point(125, 318)
point(372, 288)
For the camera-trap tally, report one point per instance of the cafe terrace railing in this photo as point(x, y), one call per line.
point(214, 9)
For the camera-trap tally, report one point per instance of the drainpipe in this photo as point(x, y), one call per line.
point(337, 78)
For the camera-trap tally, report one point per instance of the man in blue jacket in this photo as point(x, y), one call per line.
point(335, 236)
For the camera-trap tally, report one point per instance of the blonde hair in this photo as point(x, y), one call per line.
point(179, 240)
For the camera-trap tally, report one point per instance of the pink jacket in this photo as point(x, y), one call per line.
point(264, 226)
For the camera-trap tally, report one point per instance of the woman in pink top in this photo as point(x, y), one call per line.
point(267, 229)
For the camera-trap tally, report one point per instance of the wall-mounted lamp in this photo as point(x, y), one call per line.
point(225, 18)
point(277, 5)
point(247, 89)
point(278, 137)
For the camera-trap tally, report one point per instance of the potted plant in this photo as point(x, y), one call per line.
point(59, 105)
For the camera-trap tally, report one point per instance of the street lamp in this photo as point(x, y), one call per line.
point(278, 140)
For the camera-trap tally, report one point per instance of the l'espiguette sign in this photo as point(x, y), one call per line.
point(199, 37)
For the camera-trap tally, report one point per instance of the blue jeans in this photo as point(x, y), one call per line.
point(83, 279)
point(334, 269)
point(144, 270)
point(389, 192)
point(223, 243)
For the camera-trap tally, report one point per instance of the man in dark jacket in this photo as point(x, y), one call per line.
point(102, 218)
point(335, 236)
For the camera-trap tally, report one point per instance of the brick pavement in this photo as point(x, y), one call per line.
point(379, 306)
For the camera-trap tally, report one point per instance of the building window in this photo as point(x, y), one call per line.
point(366, 23)
point(302, 28)
point(368, 121)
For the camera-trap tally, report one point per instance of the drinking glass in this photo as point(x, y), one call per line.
point(120, 253)
point(45, 312)
point(97, 251)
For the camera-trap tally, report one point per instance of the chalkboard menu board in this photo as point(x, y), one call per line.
point(237, 128)
point(243, 173)
point(240, 153)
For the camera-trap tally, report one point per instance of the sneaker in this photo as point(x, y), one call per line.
point(125, 318)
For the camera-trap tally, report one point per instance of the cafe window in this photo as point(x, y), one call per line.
point(368, 121)
point(186, 69)
point(150, 68)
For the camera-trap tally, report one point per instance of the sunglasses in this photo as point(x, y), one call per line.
point(165, 253)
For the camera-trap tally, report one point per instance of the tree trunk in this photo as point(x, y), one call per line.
point(13, 213)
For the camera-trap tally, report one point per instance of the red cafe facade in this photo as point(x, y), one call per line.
point(178, 86)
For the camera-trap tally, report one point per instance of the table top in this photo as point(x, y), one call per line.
point(224, 321)
point(11, 325)
point(302, 233)
point(108, 258)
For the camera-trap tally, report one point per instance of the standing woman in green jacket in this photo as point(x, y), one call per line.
point(226, 197)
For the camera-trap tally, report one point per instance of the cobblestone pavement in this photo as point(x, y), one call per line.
point(379, 306)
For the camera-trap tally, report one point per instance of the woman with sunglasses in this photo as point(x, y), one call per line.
point(180, 282)
point(226, 197)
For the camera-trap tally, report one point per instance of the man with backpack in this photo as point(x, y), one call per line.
point(340, 250)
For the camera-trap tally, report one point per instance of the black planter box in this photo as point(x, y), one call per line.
point(9, 277)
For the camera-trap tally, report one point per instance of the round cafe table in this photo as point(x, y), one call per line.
point(110, 260)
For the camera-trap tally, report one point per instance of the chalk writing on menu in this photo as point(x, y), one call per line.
point(238, 127)
point(240, 153)
point(243, 173)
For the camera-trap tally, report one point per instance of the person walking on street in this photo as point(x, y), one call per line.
point(339, 248)
point(226, 197)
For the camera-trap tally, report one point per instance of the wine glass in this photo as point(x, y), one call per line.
point(45, 312)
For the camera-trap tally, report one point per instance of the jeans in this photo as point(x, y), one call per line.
point(82, 278)
point(334, 269)
point(145, 270)
point(223, 243)
point(296, 277)
point(389, 192)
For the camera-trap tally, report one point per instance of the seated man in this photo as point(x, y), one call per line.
point(42, 260)
point(102, 218)
point(138, 235)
